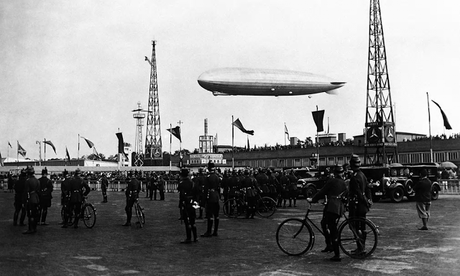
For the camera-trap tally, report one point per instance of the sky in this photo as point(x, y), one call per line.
point(72, 68)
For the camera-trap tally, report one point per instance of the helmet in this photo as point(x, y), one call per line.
point(77, 171)
point(30, 170)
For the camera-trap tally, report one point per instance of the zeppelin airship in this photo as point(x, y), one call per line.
point(264, 82)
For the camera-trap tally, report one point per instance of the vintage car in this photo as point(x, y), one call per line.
point(397, 181)
point(312, 181)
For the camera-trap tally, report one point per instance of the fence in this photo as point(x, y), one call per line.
point(450, 186)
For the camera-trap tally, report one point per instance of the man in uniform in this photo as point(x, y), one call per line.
point(249, 184)
point(359, 196)
point(187, 197)
point(65, 198)
point(333, 190)
point(200, 181)
point(77, 196)
point(32, 188)
point(104, 186)
point(161, 186)
point(212, 193)
point(132, 194)
point(46, 190)
point(20, 199)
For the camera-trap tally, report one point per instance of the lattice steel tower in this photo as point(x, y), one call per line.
point(139, 116)
point(153, 147)
point(380, 134)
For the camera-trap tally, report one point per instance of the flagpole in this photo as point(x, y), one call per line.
point(44, 149)
point(429, 128)
point(39, 152)
point(170, 146)
point(233, 140)
point(78, 149)
point(317, 145)
point(17, 153)
point(284, 134)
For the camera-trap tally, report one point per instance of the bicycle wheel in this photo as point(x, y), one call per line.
point(266, 207)
point(358, 237)
point(89, 215)
point(295, 237)
point(230, 208)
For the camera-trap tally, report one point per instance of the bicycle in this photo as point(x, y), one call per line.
point(236, 206)
point(295, 236)
point(139, 211)
point(87, 214)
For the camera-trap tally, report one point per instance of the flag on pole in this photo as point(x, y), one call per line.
point(240, 126)
point(67, 154)
point(51, 144)
point(121, 144)
point(90, 144)
point(9, 144)
point(286, 131)
point(318, 118)
point(444, 117)
point(176, 132)
point(21, 150)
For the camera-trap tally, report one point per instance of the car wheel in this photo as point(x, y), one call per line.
point(397, 194)
point(310, 192)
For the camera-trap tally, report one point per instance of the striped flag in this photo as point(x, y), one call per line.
point(51, 144)
point(240, 126)
point(176, 132)
point(21, 150)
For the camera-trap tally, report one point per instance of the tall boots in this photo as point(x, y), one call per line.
point(43, 214)
point(195, 235)
point(208, 232)
point(32, 226)
point(129, 214)
point(216, 227)
point(189, 230)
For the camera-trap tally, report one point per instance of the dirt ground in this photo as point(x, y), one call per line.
point(243, 247)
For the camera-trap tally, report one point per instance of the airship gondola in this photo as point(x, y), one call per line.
point(264, 82)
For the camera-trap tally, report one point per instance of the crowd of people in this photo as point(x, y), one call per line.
point(203, 192)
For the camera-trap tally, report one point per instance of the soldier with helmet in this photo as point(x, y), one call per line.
point(212, 193)
point(77, 195)
point(132, 194)
point(333, 190)
point(188, 192)
point(46, 190)
point(359, 195)
point(32, 188)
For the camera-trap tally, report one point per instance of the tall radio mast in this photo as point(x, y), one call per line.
point(380, 133)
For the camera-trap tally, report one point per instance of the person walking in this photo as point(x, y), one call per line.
point(32, 189)
point(359, 196)
point(188, 193)
point(333, 211)
point(104, 186)
point(46, 190)
point(422, 190)
point(132, 194)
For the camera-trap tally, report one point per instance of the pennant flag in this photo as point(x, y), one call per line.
point(286, 131)
point(176, 132)
point(121, 144)
point(444, 117)
point(90, 144)
point(51, 144)
point(240, 126)
point(318, 118)
point(21, 150)
point(67, 154)
point(9, 144)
